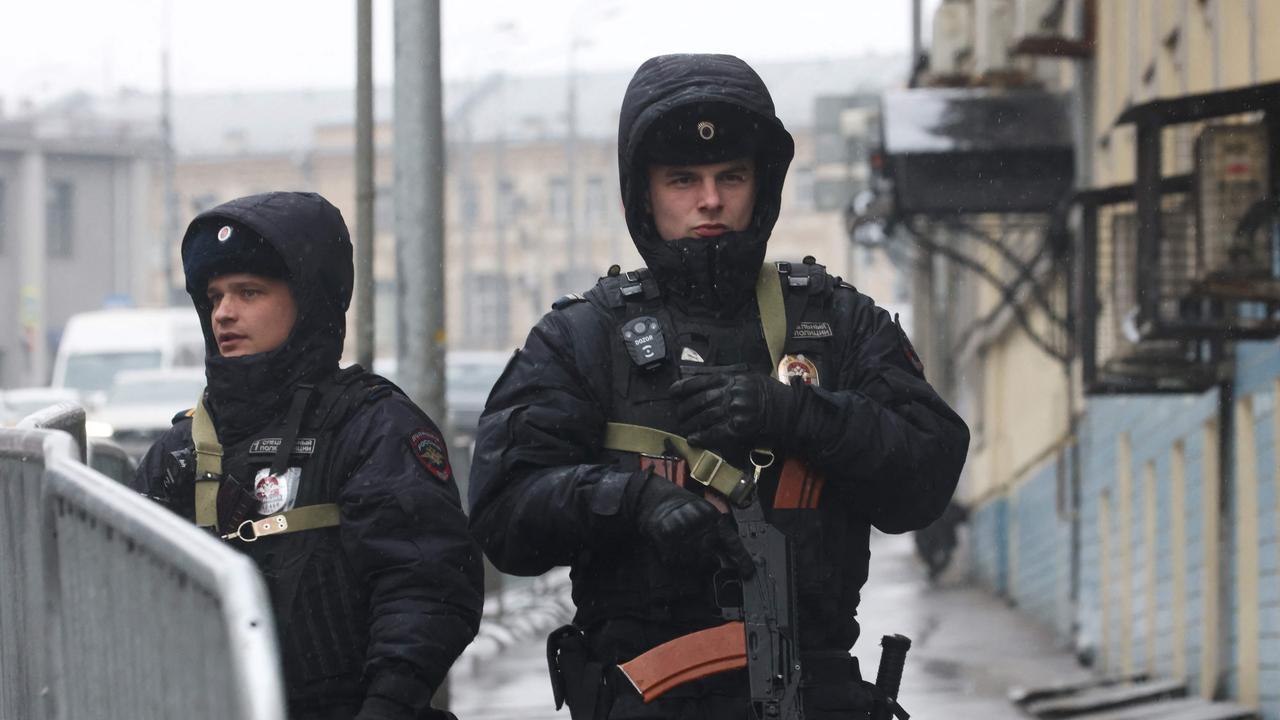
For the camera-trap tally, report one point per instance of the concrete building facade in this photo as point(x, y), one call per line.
point(1136, 514)
point(74, 234)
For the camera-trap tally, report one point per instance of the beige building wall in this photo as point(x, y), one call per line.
point(1144, 50)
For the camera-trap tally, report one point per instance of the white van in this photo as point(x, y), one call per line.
point(97, 345)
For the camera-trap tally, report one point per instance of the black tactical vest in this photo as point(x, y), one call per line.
point(630, 580)
point(321, 607)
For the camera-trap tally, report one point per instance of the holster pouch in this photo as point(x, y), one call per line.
point(179, 478)
point(236, 503)
point(576, 677)
point(832, 686)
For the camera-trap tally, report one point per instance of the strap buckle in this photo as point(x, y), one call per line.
point(695, 470)
point(250, 530)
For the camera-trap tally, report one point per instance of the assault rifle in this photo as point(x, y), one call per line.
point(762, 633)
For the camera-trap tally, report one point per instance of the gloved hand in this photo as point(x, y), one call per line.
point(376, 707)
point(395, 694)
point(682, 526)
point(733, 414)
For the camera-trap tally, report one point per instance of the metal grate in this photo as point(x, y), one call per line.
point(1124, 357)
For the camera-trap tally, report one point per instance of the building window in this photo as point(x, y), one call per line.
point(508, 201)
point(58, 219)
point(802, 178)
point(558, 199)
point(469, 201)
point(4, 218)
point(487, 310)
point(901, 286)
point(594, 200)
point(202, 202)
point(384, 207)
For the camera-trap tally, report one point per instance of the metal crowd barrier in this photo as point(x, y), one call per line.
point(113, 607)
point(65, 416)
point(111, 460)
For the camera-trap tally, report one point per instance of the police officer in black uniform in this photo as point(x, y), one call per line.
point(679, 348)
point(333, 481)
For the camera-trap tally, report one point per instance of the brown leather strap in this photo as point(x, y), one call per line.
point(687, 658)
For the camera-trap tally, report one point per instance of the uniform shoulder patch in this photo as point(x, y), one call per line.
point(907, 349)
point(565, 301)
point(428, 447)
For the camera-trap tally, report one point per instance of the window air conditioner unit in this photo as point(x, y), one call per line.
point(993, 34)
point(952, 41)
point(1173, 279)
point(1029, 18)
point(1231, 178)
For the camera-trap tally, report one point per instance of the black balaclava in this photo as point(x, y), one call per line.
point(301, 238)
point(701, 109)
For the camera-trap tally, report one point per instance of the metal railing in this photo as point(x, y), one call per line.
point(113, 607)
point(65, 416)
point(111, 460)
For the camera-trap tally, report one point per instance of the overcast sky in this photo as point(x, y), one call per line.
point(51, 47)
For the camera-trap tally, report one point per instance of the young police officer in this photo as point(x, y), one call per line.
point(581, 457)
point(333, 481)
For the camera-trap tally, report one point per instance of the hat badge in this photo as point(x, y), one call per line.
point(706, 130)
point(224, 233)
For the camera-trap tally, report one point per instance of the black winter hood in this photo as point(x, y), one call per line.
point(717, 274)
point(311, 239)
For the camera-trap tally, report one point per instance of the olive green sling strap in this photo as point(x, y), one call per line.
point(706, 467)
point(209, 475)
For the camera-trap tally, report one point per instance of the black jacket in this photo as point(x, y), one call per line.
point(383, 604)
point(545, 493)
point(404, 535)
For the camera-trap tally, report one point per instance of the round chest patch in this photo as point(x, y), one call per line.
point(793, 366)
point(276, 493)
point(224, 233)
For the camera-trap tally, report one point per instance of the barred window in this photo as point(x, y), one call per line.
point(58, 219)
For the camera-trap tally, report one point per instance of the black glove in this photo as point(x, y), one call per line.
point(396, 695)
point(376, 707)
point(733, 414)
point(683, 527)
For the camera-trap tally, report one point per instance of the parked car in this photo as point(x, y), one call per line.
point(469, 376)
point(17, 403)
point(140, 406)
point(97, 345)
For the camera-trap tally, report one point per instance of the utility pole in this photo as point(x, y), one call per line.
point(365, 189)
point(419, 196)
point(31, 211)
point(169, 172)
point(571, 165)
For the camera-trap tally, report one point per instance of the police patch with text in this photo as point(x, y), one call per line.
point(269, 446)
point(812, 330)
point(428, 447)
